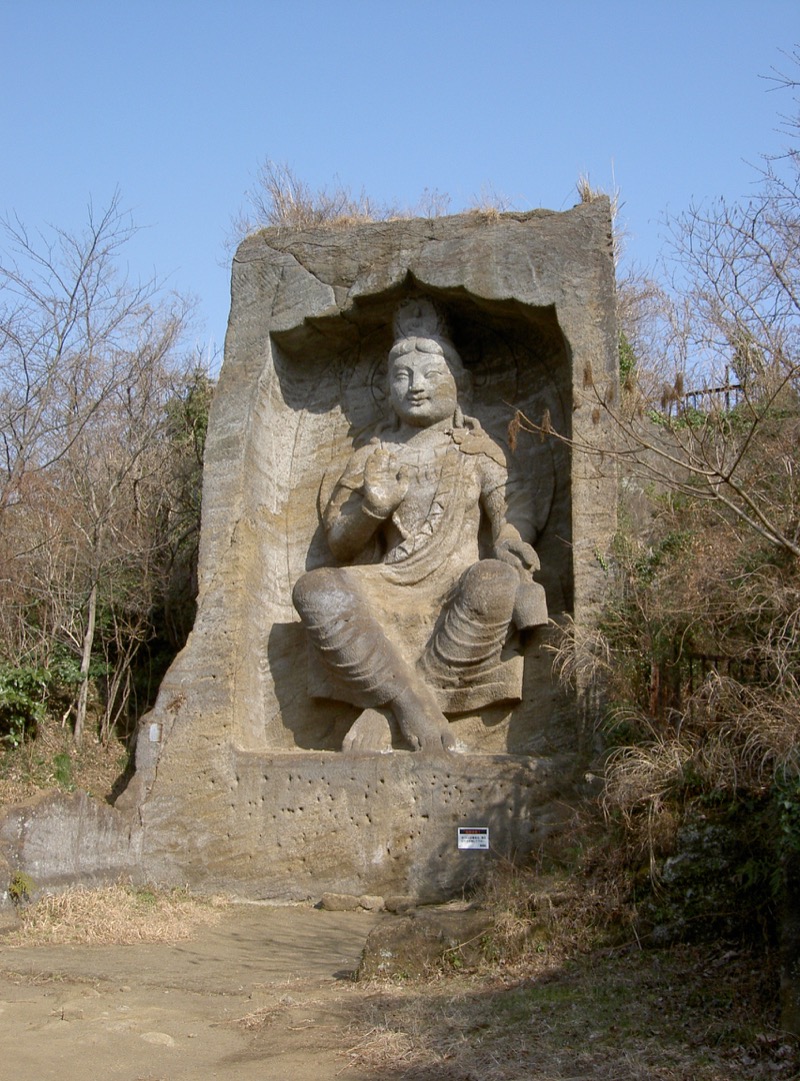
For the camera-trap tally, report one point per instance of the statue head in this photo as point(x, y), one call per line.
point(426, 378)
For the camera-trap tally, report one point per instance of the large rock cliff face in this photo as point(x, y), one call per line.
point(241, 783)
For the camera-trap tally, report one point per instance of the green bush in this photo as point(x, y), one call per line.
point(62, 770)
point(21, 887)
point(23, 692)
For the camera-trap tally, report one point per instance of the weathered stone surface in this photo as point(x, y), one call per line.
point(346, 902)
point(339, 902)
point(401, 904)
point(60, 839)
point(241, 783)
point(423, 943)
point(371, 903)
point(292, 827)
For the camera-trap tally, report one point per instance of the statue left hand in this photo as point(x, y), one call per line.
point(511, 548)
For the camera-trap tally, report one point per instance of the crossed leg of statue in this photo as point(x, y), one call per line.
point(355, 647)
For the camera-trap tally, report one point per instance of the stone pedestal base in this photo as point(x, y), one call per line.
point(290, 827)
point(295, 826)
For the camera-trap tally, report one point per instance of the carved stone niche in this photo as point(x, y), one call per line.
point(332, 379)
point(241, 779)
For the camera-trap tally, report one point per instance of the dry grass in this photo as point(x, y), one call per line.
point(631, 1015)
point(119, 915)
point(566, 993)
point(281, 198)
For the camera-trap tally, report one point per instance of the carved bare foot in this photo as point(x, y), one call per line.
point(422, 722)
point(438, 739)
point(370, 733)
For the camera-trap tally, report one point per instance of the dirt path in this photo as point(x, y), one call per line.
point(173, 1013)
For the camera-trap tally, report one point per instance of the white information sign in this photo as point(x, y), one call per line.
point(473, 837)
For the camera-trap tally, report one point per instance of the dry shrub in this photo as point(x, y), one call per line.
point(644, 777)
point(279, 197)
point(733, 745)
point(730, 737)
point(581, 654)
point(545, 915)
point(756, 731)
point(118, 915)
point(52, 760)
point(640, 786)
point(490, 203)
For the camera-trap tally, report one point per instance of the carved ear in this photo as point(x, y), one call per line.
point(463, 380)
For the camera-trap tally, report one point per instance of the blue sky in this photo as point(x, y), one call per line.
point(176, 102)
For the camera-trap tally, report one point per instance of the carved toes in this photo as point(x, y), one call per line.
point(369, 734)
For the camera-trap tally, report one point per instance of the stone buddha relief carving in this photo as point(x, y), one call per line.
point(415, 621)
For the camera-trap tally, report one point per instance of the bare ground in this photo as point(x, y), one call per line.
point(266, 993)
point(263, 994)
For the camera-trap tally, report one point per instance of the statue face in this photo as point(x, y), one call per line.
point(422, 389)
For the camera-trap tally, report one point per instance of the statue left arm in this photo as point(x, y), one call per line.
point(508, 544)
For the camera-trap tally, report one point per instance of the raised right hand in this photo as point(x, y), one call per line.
point(385, 483)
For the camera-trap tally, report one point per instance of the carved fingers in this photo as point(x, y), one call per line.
point(511, 548)
point(385, 485)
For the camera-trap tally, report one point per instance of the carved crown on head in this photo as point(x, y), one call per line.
point(418, 317)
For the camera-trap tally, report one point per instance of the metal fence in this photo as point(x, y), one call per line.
point(675, 682)
point(724, 397)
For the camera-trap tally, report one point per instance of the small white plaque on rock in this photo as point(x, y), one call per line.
point(473, 837)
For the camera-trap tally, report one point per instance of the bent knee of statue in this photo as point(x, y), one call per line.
point(488, 590)
point(323, 594)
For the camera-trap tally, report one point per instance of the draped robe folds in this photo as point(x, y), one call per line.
point(408, 578)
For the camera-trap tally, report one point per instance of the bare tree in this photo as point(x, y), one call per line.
point(88, 362)
point(728, 327)
point(698, 648)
